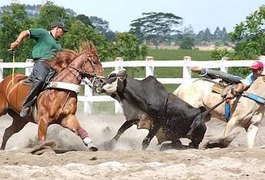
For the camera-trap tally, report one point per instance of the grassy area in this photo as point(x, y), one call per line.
point(178, 54)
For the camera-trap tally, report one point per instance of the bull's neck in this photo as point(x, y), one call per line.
point(133, 91)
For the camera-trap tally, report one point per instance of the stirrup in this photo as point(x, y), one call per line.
point(25, 111)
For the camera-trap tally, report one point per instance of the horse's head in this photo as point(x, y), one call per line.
point(82, 64)
point(89, 49)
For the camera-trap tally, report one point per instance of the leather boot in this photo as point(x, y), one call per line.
point(31, 98)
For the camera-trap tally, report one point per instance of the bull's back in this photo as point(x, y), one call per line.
point(149, 93)
point(181, 108)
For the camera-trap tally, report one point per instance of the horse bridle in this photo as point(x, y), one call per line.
point(90, 76)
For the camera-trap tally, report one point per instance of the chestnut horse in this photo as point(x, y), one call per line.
point(57, 103)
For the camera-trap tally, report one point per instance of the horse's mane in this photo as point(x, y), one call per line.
point(63, 58)
point(89, 49)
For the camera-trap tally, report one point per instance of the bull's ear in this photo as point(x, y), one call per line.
point(121, 82)
point(122, 75)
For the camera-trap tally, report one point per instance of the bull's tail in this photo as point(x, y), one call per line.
point(197, 129)
point(199, 119)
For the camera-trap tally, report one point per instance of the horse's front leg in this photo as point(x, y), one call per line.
point(227, 137)
point(252, 129)
point(152, 132)
point(42, 128)
point(72, 124)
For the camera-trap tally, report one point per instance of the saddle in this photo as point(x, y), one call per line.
point(223, 89)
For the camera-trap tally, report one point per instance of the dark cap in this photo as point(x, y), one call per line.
point(60, 25)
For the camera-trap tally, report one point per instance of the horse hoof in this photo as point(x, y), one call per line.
point(211, 144)
point(93, 148)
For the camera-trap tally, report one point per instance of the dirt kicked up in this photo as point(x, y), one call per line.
point(127, 160)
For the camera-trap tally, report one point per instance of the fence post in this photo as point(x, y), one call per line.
point(186, 74)
point(28, 69)
point(223, 68)
point(88, 92)
point(149, 68)
point(1, 70)
point(118, 66)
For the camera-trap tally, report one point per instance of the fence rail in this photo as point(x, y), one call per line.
point(149, 66)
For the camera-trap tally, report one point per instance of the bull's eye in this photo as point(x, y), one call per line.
point(112, 75)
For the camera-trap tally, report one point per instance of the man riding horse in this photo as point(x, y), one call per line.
point(45, 48)
point(247, 108)
point(241, 84)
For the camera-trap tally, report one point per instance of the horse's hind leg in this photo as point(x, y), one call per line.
point(3, 104)
point(17, 124)
point(72, 124)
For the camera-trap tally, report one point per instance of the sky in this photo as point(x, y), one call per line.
point(200, 14)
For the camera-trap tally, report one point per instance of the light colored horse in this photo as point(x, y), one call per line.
point(245, 112)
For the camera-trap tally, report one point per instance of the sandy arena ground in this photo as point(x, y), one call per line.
point(127, 160)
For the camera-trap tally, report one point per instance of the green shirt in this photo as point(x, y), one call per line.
point(46, 46)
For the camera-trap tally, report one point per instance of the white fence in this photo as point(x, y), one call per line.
point(149, 66)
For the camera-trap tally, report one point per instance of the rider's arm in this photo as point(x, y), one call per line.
point(19, 39)
point(240, 87)
point(244, 84)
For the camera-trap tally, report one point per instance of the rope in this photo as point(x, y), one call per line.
point(13, 68)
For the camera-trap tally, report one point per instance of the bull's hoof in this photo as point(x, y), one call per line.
point(109, 145)
point(145, 143)
point(174, 145)
point(193, 146)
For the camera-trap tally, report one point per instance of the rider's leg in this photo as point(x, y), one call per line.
point(39, 74)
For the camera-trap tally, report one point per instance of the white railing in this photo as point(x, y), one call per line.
point(149, 65)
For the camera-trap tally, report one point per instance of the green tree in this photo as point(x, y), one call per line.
point(50, 13)
point(84, 19)
point(249, 36)
point(102, 27)
point(187, 43)
point(79, 33)
point(187, 38)
point(14, 19)
point(155, 27)
point(127, 46)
